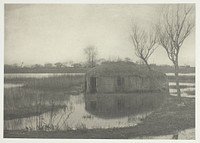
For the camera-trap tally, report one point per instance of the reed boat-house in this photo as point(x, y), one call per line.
point(121, 79)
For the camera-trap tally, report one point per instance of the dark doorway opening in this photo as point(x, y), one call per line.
point(120, 83)
point(93, 105)
point(93, 86)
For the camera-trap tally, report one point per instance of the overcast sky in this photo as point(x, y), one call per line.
point(58, 33)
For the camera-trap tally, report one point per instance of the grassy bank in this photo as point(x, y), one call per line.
point(30, 111)
point(183, 79)
point(16, 80)
point(162, 121)
point(182, 86)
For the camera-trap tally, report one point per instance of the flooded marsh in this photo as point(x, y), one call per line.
point(64, 107)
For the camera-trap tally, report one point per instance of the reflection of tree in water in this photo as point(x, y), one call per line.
point(79, 100)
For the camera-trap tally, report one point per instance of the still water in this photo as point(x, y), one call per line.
point(74, 116)
point(184, 91)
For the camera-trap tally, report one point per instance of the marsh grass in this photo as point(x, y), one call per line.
point(182, 86)
point(56, 83)
point(182, 78)
point(17, 80)
point(23, 102)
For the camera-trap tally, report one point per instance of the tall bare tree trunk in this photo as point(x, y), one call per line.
point(177, 79)
point(152, 79)
point(147, 64)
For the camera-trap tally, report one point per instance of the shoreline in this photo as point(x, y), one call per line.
point(163, 121)
point(29, 112)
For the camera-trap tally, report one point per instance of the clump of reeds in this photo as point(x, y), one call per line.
point(16, 80)
point(25, 102)
point(56, 83)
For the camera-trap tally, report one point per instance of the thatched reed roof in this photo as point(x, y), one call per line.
point(122, 68)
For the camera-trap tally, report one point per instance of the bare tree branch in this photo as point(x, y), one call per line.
point(144, 42)
point(175, 25)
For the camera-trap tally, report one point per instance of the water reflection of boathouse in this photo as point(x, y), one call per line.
point(119, 86)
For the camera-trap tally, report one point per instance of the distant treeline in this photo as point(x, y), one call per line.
point(162, 68)
point(45, 70)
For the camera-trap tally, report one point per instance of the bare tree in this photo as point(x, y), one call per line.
point(58, 65)
point(144, 42)
point(91, 54)
point(176, 23)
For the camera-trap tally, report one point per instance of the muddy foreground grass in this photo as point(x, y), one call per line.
point(163, 121)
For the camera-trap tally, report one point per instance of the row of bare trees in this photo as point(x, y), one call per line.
point(175, 24)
